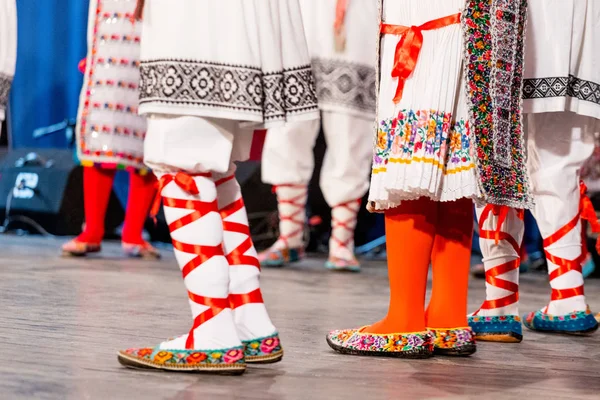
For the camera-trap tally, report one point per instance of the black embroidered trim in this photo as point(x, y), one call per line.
point(5, 83)
point(235, 87)
point(562, 87)
point(346, 84)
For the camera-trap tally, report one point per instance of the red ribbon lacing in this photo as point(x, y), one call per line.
point(491, 275)
point(202, 253)
point(340, 14)
point(409, 47)
point(238, 255)
point(297, 217)
point(347, 225)
point(586, 212)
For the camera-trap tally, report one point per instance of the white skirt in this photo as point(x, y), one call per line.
point(562, 60)
point(110, 133)
point(345, 78)
point(243, 60)
point(8, 50)
point(423, 146)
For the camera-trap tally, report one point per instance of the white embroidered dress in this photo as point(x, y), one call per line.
point(243, 60)
point(562, 57)
point(8, 50)
point(423, 145)
point(345, 78)
point(110, 133)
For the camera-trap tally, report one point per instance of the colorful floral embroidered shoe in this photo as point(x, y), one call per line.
point(265, 350)
point(340, 264)
point(401, 345)
point(144, 250)
point(504, 328)
point(280, 257)
point(575, 323)
point(77, 248)
point(228, 361)
point(454, 342)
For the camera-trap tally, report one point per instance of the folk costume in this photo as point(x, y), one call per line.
point(110, 133)
point(8, 51)
point(562, 105)
point(449, 133)
point(341, 38)
point(203, 100)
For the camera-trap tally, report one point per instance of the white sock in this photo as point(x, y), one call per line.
point(291, 204)
point(210, 279)
point(251, 319)
point(567, 248)
point(496, 255)
point(343, 223)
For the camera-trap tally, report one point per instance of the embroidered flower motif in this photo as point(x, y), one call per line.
point(269, 344)
point(203, 83)
point(196, 358)
point(163, 356)
point(233, 356)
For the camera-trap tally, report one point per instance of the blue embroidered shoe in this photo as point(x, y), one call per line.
point(224, 361)
point(504, 328)
point(575, 323)
point(280, 257)
point(401, 345)
point(265, 350)
point(340, 264)
point(453, 342)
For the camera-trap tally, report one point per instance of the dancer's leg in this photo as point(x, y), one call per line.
point(410, 231)
point(559, 144)
point(142, 191)
point(501, 232)
point(446, 314)
point(97, 186)
point(288, 165)
point(345, 180)
point(192, 212)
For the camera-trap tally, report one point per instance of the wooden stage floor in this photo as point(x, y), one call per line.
point(62, 321)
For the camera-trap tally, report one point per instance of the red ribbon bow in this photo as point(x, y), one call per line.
point(183, 180)
point(409, 47)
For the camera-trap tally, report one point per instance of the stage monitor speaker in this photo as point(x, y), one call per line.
point(46, 186)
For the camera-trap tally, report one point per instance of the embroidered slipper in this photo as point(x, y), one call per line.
point(266, 350)
point(226, 361)
point(579, 323)
point(503, 329)
point(77, 248)
point(453, 342)
point(401, 345)
point(340, 264)
point(145, 251)
point(280, 257)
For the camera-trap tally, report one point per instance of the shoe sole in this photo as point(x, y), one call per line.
point(422, 354)
point(334, 268)
point(270, 359)
point(135, 363)
point(586, 332)
point(463, 351)
point(500, 337)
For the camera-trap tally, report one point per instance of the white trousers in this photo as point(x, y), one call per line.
point(288, 155)
point(195, 145)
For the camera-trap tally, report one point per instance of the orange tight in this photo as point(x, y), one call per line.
point(421, 232)
point(97, 186)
